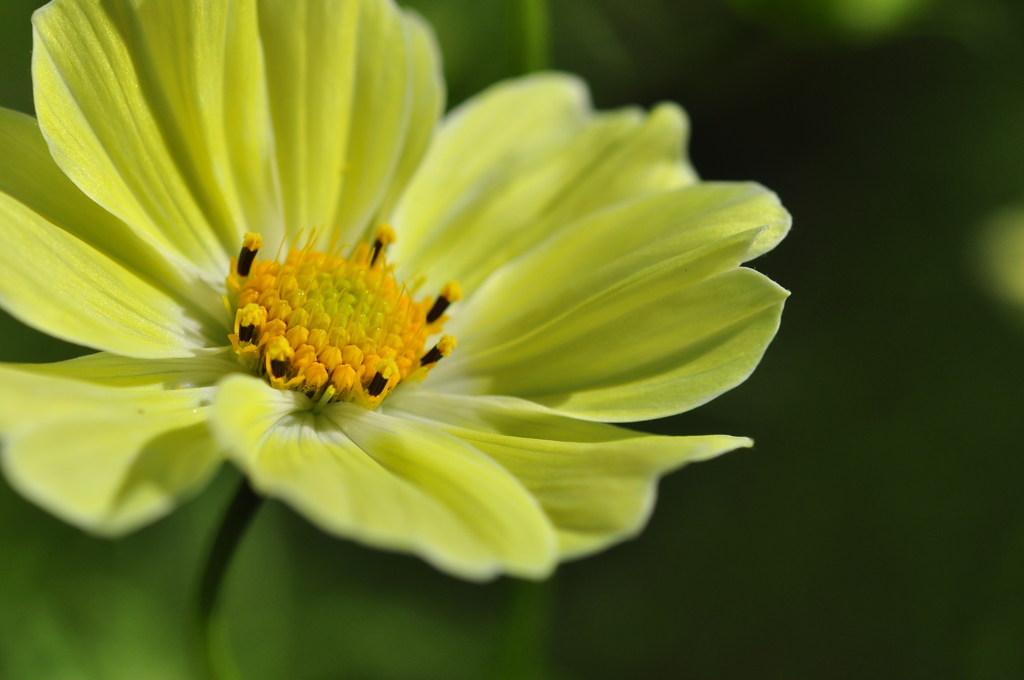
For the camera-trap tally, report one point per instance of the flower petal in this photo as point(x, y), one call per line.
point(521, 160)
point(104, 458)
point(567, 267)
point(428, 101)
point(102, 368)
point(632, 341)
point(29, 175)
point(158, 111)
point(53, 282)
point(351, 90)
point(385, 481)
point(596, 482)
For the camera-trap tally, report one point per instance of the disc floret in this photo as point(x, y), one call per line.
point(336, 328)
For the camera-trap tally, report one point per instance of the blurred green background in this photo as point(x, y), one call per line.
point(876, 530)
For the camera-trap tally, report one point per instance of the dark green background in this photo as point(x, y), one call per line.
point(876, 530)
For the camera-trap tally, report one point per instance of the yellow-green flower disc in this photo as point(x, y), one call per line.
point(412, 329)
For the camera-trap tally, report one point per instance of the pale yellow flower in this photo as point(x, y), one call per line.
point(592, 278)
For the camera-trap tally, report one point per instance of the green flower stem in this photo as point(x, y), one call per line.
point(220, 664)
point(530, 35)
point(523, 644)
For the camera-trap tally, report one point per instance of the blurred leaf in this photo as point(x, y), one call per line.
point(1001, 246)
point(16, 53)
point(81, 607)
point(19, 343)
point(839, 19)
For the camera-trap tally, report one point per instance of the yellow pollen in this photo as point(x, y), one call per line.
point(278, 349)
point(251, 244)
point(446, 345)
point(335, 328)
point(252, 241)
point(449, 294)
point(385, 234)
point(452, 291)
point(442, 349)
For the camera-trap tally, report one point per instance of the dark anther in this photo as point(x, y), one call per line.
point(378, 246)
point(431, 357)
point(440, 304)
point(245, 259)
point(377, 385)
point(245, 333)
point(278, 368)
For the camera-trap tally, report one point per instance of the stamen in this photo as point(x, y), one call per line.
point(449, 294)
point(385, 235)
point(387, 369)
point(442, 349)
point(247, 320)
point(279, 352)
point(250, 246)
point(377, 385)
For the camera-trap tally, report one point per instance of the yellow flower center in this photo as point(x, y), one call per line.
point(334, 328)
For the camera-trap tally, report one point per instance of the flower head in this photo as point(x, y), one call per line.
point(413, 330)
